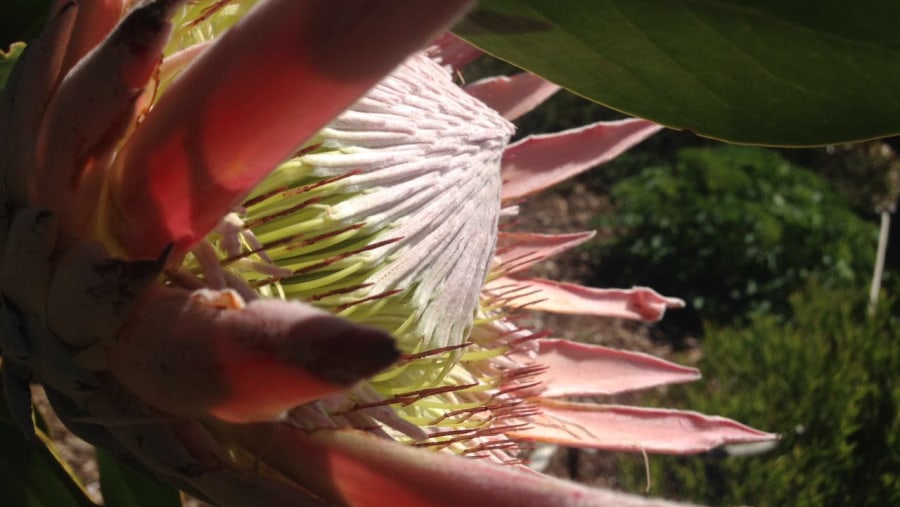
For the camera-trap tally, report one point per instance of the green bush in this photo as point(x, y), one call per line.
point(827, 381)
point(732, 230)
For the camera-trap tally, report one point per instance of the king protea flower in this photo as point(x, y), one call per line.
point(253, 249)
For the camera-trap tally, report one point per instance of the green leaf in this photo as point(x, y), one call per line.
point(8, 59)
point(31, 475)
point(122, 486)
point(750, 71)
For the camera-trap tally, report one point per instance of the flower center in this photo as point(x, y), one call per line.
point(389, 218)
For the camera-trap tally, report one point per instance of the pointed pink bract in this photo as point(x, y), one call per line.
point(513, 96)
point(539, 161)
point(633, 429)
point(517, 251)
point(579, 369)
point(639, 303)
point(357, 469)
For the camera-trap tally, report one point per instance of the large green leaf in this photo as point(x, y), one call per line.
point(774, 72)
point(122, 486)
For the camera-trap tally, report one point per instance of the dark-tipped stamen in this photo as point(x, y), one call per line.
point(368, 299)
point(405, 358)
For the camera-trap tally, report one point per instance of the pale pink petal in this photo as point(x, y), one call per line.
point(539, 161)
point(248, 102)
point(512, 96)
point(633, 429)
point(452, 51)
point(578, 369)
point(517, 251)
point(24, 102)
point(356, 469)
point(205, 353)
point(93, 106)
point(96, 18)
point(640, 303)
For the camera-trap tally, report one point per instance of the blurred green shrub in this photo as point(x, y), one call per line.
point(732, 230)
point(827, 381)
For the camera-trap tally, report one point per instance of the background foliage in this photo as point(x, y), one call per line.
point(826, 380)
point(733, 230)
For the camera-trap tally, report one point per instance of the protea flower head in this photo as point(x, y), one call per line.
point(253, 249)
